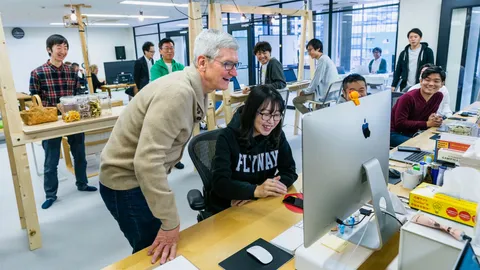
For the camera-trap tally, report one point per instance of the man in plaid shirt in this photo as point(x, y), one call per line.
point(51, 81)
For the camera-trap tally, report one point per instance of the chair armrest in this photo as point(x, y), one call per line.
point(195, 200)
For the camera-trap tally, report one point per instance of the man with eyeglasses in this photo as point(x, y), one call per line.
point(141, 70)
point(149, 138)
point(166, 64)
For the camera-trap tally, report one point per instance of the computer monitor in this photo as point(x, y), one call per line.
point(345, 165)
point(236, 85)
point(290, 75)
point(468, 259)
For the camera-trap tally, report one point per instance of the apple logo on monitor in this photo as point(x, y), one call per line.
point(365, 129)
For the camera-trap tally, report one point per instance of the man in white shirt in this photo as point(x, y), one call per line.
point(444, 108)
point(378, 65)
point(141, 70)
point(325, 74)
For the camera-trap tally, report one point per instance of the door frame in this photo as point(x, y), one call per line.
point(181, 33)
point(250, 40)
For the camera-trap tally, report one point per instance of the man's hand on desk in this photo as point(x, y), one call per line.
point(393, 89)
point(271, 187)
point(165, 244)
point(434, 120)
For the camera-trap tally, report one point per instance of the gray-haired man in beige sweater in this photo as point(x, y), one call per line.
point(148, 140)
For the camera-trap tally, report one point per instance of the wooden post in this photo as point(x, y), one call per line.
point(195, 26)
point(301, 67)
point(214, 22)
point(83, 41)
point(310, 36)
point(17, 154)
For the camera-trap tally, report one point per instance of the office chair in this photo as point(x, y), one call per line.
point(332, 95)
point(395, 97)
point(202, 150)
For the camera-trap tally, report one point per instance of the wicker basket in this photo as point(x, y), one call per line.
point(38, 114)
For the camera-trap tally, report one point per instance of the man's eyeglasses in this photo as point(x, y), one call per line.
point(227, 65)
point(168, 48)
point(267, 116)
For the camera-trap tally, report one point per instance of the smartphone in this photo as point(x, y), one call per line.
point(409, 149)
point(294, 201)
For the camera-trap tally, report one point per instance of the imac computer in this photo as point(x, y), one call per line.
point(345, 165)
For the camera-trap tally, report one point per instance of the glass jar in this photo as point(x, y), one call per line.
point(105, 103)
point(84, 106)
point(94, 105)
point(69, 109)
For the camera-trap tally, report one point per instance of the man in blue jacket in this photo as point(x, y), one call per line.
point(378, 65)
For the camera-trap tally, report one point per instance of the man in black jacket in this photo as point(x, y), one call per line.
point(415, 55)
point(271, 70)
point(141, 70)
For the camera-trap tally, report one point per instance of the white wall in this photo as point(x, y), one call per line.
point(30, 52)
point(422, 14)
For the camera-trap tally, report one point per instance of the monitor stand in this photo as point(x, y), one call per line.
point(381, 227)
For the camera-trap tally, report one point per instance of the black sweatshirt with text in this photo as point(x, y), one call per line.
point(236, 171)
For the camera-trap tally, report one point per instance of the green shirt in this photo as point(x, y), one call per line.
point(160, 69)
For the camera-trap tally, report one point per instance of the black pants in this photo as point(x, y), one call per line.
point(131, 211)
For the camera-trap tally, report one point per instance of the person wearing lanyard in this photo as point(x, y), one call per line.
point(271, 70)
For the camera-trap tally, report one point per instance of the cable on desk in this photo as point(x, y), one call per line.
point(360, 241)
point(385, 212)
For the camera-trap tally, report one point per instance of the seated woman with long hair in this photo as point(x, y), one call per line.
point(253, 158)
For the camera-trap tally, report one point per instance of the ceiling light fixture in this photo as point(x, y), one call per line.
point(140, 17)
point(158, 4)
point(124, 16)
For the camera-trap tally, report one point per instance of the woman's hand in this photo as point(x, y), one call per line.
point(270, 188)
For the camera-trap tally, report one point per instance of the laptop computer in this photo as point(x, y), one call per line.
point(409, 157)
point(468, 259)
point(290, 76)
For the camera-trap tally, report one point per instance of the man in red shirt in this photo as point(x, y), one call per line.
point(51, 81)
point(416, 109)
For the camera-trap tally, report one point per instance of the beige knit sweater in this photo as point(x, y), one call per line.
point(149, 137)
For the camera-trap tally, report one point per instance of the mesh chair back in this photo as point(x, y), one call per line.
point(395, 97)
point(202, 150)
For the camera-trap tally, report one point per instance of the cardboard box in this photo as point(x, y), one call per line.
point(425, 198)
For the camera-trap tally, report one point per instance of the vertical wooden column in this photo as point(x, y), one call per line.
point(83, 41)
point(310, 36)
point(301, 67)
point(17, 154)
point(195, 26)
point(214, 22)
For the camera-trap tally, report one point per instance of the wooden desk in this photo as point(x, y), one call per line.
point(22, 98)
point(109, 87)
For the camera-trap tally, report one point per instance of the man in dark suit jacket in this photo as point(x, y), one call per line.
point(271, 70)
point(141, 70)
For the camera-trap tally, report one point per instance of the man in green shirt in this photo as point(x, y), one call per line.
point(166, 65)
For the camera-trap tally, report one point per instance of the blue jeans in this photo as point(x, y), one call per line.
point(398, 138)
point(131, 211)
point(52, 149)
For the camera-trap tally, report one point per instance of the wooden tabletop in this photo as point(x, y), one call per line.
point(115, 86)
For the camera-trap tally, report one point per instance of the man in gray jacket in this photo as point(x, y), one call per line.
point(325, 74)
point(149, 138)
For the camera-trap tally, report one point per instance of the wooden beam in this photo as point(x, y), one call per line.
point(195, 26)
point(83, 41)
point(18, 158)
point(310, 36)
point(263, 10)
point(214, 22)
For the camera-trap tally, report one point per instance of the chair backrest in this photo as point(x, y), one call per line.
point(395, 97)
point(333, 92)
point(290, 75)
point(202, 151)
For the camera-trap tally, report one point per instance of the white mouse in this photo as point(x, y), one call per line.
point(261, 254)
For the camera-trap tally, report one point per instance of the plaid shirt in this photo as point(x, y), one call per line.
point(51, 83)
